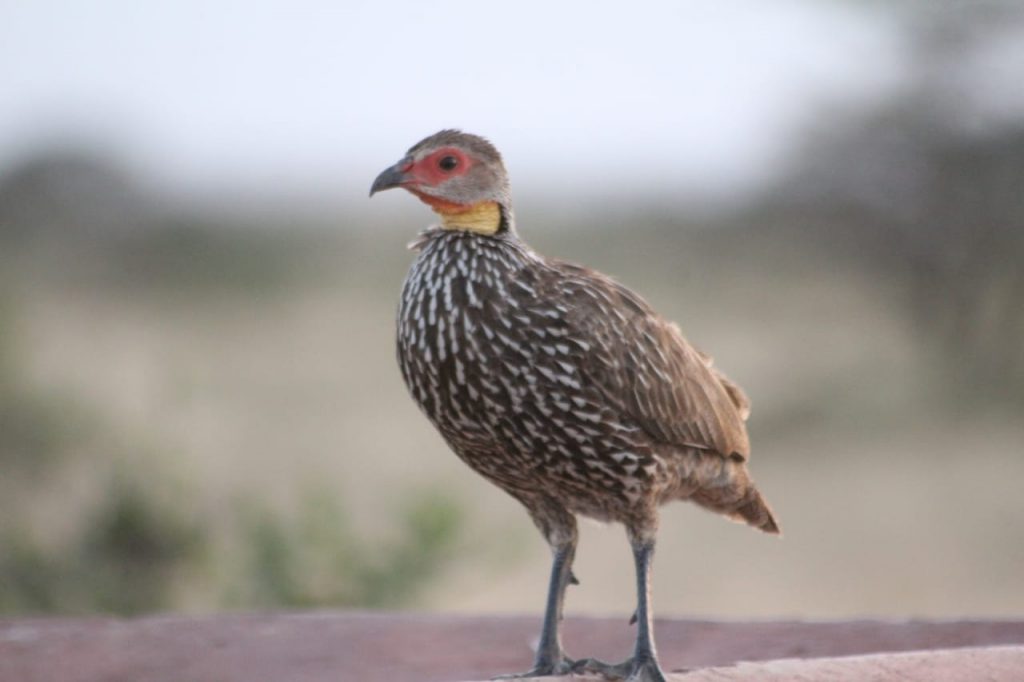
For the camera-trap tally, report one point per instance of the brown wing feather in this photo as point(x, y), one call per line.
point(648, 370)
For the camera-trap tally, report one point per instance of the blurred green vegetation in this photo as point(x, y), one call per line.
point(124, 558)
point(140, 546)
point(315, 559)
point(31, 427)
point(189, 256)
point(133, 554)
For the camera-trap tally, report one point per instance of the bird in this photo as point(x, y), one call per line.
point(559, 385)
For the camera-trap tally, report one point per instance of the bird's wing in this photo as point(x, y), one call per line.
point(646, 368)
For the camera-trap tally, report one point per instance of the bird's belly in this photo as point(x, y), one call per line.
point(530, 440)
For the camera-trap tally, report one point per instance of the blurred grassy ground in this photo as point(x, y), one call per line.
point(242, 383)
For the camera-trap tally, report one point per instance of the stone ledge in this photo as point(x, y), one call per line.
point(400, 647)
point(992, 664)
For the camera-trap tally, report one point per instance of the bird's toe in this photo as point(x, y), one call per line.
point(609, 671)
point(629, 670)
point(648, 671)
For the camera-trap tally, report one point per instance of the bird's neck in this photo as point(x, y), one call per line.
point(485, 217)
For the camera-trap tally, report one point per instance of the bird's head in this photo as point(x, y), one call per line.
point(460, 176)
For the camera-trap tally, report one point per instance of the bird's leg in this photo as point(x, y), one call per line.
point(551, 658)
point(643, 665)
point(645, 657)
point(549, 651)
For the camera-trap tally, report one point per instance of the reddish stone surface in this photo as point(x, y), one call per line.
point(331, 646)
point(991, 664)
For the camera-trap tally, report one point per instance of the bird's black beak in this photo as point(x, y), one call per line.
point(392, 177)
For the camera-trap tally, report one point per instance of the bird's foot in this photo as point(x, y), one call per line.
point(610, 671)
point(560, 665)
point(630, 670)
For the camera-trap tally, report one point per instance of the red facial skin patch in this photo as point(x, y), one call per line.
point(440, 205)
point(427, 171)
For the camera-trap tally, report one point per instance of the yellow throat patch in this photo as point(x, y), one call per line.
point(483, 218)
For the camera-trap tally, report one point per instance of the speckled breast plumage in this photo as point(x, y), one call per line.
point(489, 350)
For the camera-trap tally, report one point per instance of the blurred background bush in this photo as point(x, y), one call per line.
point(199, 405)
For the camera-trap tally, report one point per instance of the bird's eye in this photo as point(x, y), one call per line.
point(448, 163)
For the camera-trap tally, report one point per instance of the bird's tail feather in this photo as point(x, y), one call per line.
point(754, 511)
point(739, 500)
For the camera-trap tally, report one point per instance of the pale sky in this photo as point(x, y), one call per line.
point(318, 96)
